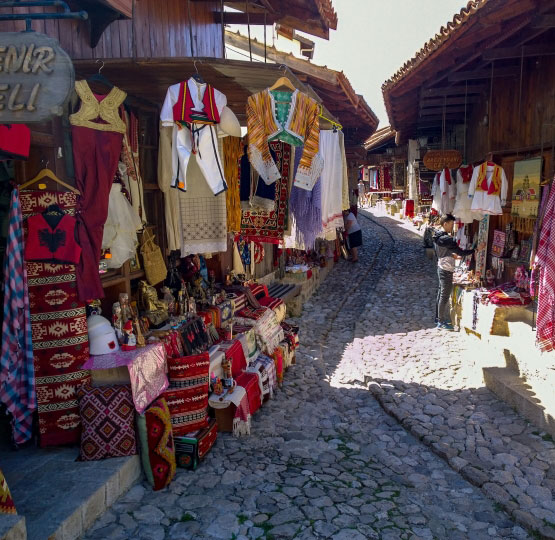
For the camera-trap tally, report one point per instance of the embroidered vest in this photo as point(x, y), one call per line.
point(482, 183)
point(57, 244)
point(466, 173)
point(183, 109)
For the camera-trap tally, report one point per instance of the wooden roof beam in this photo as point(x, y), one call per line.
point(244, 18)
point(439, 102)
point(483, 74)
point(454, 90)
point(518, 52)
point(544, 21)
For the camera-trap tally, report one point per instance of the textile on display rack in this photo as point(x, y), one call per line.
point(235, 354)
point(488, 189)
point(463, 203)
point(188, 408)
point(131, 162)
point(172, 212)
point(193, 110)
point(7, 505)
point(269, 226)
point(188, 371)
point(345, 202)
point(301, 125)
point(96, 151)
point(60, 334)
point(232, 152)
point(332, 183)
point(147, 371)
point(385, 178)
point(107, 416)
point(157, 445)
point(242, 416)
point(266, 369)
point(249, 381)
point(267, 330)
point(120, 229)
point(306, 209)
point(203, 215)
point(17, 391)
point(545, 259)
point(15, 141)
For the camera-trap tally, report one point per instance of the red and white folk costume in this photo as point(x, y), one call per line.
point(194, 110)
point(488, 187)
point(463, 203)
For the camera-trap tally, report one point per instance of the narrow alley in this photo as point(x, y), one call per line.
point(325, 460)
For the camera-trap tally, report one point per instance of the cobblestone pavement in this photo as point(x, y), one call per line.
point(324, 460)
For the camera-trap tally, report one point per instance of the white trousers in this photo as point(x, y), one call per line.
point(203, 139)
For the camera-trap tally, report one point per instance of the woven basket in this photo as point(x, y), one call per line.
point(153, 261)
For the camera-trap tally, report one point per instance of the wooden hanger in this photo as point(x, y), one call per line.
point(282, 81)
point(47, 173)
point(335, 124)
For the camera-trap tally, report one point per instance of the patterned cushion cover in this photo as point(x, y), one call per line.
point(107, 417)
point(157, 444)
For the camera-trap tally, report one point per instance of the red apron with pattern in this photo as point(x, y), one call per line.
point(60, 337)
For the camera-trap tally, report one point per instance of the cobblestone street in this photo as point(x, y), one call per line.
point(381, 430)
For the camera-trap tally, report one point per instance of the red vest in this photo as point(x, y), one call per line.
point(15, 140)
point(56, 245)
point(183, 109)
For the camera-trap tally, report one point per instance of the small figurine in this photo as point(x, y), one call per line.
point(490, 279)
point(117, 322)
point(169, 300)
point(125, 307)
point(227, 381)
point(140, 339)
point(129, 340)
point(217, 386)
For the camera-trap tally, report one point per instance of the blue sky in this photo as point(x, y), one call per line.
point(374, 38)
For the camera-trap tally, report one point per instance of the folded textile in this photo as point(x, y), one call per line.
point(249, 381)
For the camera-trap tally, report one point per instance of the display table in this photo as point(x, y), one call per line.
point(145, 369)
point(486, 319)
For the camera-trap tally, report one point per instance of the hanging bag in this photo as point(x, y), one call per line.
point(153, 261)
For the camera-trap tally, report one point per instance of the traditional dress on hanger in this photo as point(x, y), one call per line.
point(295, 122)
point(436, 195)
point(120, 229)
point(17, 390)
point(488, 187)
point(463, 203)
point(194, 110)
point(97, 132)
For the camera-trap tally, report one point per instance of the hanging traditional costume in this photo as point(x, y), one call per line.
point(463, 203)
point(448, 188)
point(97, 132)
point(299, 127)
point(194, 110)
point(488, 187)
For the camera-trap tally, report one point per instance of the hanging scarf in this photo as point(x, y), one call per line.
point(17, 390)
point(482, 183)
point(306, 208)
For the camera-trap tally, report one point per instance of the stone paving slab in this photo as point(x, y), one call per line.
point(59, 496)
point(324, 460)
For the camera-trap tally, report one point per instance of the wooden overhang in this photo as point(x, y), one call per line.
point(380, 139)
point(454, 70)
point(148, 80)
point(315, 17)
point(337, 94)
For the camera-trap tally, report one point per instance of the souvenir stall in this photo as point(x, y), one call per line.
point(141, 328)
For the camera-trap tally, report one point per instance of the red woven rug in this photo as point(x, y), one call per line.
point(60, 338)
point(264, 226)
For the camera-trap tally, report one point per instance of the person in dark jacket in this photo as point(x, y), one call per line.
point(446, 248)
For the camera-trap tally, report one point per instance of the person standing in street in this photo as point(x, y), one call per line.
point(446, 249)
point(354, 234)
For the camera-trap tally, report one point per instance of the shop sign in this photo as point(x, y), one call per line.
point(436, 160)
point(36, 77)
point(526, 188)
